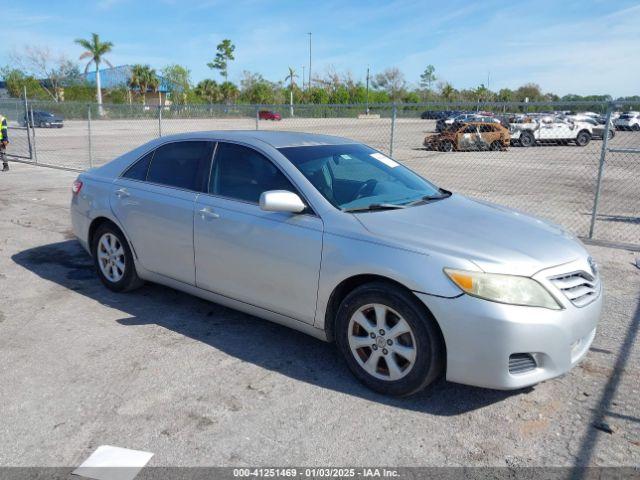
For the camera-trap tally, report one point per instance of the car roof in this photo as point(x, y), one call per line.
point(277, 139)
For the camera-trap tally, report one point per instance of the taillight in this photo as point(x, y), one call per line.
point(76, 186)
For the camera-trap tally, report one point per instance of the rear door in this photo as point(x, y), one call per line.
point(154, 202)
point(468, 138)
point(267, 259)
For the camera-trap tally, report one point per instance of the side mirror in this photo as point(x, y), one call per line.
point(281, 201)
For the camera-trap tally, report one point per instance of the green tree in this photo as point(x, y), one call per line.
point(447, 91)
point(505, 95)
point(178, 79)
point(223, 57)
point(530, 91)
point(482, 94)
point(229, 91)
point(95, 50)
point(391, 81)
point(16, 81)
point(428, 77)
point(120, 94)
point(143, 78)
point(255, 88)
point(208, 90)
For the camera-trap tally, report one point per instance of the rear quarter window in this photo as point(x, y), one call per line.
point(138, 171)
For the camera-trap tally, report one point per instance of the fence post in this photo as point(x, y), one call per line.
point(33, 130)
point(89, 136)
point(393, 127)
point(257, 116)
point(159, 120)
point(603, 155)
point(26, 118)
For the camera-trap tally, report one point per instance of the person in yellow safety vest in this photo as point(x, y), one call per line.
point(4, 141)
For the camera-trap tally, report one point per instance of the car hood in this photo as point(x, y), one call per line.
point(495, 238)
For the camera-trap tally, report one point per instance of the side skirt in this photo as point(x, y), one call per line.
point(232, 303)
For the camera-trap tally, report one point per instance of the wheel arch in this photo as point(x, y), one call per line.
point(102, 220)
point(349, 284)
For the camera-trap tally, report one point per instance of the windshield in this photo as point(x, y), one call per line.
point(355, 176)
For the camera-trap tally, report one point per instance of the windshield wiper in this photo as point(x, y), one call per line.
point(374, 206)
point(430, 198)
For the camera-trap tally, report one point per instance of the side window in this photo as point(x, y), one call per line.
point(181, 164)
point(242, 173)
point(470, 129)
point(138, 171)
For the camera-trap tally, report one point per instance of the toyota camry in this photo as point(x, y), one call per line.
point(338, 240)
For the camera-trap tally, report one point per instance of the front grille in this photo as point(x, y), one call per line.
point(521, 363)
point(581, 288)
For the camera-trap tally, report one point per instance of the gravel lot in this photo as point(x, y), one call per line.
point(199, 384)
point(556, 182)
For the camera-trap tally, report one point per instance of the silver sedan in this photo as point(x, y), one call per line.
point(337, 240)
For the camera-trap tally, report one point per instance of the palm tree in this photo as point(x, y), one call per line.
point(208, 90)
point(95, 50)
point(144, 78)
point(448, 91)
point(135, 80)
point(229, 91)
point(291, 77)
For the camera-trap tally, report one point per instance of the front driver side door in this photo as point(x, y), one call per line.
point(266, 259)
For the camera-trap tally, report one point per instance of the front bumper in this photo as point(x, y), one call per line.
point(480, 336)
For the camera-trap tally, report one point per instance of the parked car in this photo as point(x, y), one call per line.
point(337, 240)
point(628, 121)
point(470, 136)
point(550, 129)
point(597, 128)
point(438, 114)
point(269, 115)
point(444, 123)
point(41, 118)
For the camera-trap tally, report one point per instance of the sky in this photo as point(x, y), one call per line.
point(565, 46)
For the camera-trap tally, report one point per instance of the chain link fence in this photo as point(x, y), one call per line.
point(537, 163)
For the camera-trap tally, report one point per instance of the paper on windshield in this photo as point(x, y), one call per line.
point(384, 159)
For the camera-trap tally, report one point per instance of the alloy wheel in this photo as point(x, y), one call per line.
point(382, 342)
point(111, 257)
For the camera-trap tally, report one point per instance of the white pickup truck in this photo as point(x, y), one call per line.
point(530, 131)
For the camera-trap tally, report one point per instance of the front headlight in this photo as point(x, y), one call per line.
point(510, 289)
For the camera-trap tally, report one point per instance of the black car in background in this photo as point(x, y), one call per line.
point(41, 118)
point(438, 114)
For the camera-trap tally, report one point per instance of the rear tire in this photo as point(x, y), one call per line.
point(636, 127)
point(527, 139)
point(583, 138)
point(446, 146)
point(113, 259)
point(390, 342)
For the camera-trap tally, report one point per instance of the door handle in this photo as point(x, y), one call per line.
point(122, 193)
point(208, 214)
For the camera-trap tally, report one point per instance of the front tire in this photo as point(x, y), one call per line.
point(496, 146)
point(527, 139)
point(583, 138)
point(390, 342)
point(113, 259)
